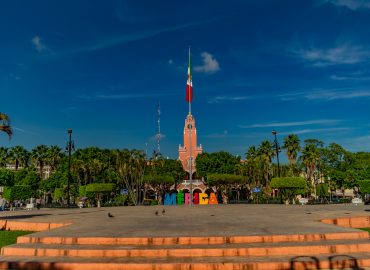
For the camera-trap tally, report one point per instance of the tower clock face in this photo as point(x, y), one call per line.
point(190, 126)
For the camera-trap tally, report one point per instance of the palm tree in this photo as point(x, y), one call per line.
point(291, 144)
point(252, 165)
point(266, 152)
point(310, 158)
point(131, 167)
point(3, 157)
point(18, 156)
point(54, 156)
point(5, 124)
point(40, 157)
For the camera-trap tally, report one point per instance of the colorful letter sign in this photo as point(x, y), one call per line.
point(184, 198)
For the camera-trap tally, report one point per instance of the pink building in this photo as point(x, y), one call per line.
point(190, 146)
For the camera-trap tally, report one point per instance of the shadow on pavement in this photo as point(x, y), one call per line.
point(335, 262)
point(23, 216)
point(304, 263)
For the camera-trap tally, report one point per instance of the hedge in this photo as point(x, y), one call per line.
point(288, 183)
point(224, 179)
point(100, 187)
point(19, 192)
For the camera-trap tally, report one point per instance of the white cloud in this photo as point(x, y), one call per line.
point(39, 46)
point(210, 64)
point(292, 124)
point(327, 94)
point(317, 130)
point(351, 4)
point(343, 54)
point(119, 96)
point(353, 76)
point(219, 99)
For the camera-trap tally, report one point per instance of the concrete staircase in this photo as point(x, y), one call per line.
point(344, 250)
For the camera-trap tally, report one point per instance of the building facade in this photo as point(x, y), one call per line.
point(187, 155)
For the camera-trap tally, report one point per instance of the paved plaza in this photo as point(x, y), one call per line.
point(206, 220)
point(208, 237)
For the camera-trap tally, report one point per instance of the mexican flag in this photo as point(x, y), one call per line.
point(189, 83)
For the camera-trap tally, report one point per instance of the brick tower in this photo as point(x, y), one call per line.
point(190, 145)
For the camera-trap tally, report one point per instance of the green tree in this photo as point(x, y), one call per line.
point(292, 147)
point(322, 190)
point(3, 156)
point(339, 165)
point(54, 156)
point(226, 182)
point(266, 152)
point(6, 177)
point(18, 156)
point(27, 177)
point(40, 157)
point(310, 158)
point(217, 162)
point(364, 186)
point(289, 186)
point(19, 193)
point(252, 163)
point(131, 168)
point(99, 189)
point(5, 124)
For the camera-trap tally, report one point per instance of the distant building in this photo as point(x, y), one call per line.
point(190, 149)
point(190, 146)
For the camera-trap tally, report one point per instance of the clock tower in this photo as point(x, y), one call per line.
point(189, 151)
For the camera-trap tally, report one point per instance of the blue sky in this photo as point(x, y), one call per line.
point(102, 67)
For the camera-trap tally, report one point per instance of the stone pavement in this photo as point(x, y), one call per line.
point(216, 220)
point(198, 237)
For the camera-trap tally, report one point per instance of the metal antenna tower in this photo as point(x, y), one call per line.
point(159, 129)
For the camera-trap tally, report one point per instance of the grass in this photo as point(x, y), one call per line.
point(365, 229)
point(10, 237)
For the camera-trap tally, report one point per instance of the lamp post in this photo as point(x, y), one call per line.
point(329, 190)
point(277, 148)
point(70, 147)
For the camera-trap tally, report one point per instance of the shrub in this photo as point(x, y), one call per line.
point(289, 186)
point(18, 193)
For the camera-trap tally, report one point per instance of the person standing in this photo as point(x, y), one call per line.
point(2, 203)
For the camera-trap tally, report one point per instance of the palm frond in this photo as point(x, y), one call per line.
point(7, 129)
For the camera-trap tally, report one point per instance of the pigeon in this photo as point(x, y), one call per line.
point(156, 213)
point(163, 211)
point(110, 215)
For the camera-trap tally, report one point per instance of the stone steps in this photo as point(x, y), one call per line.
point(328, 261)
point(223, 250)
point(192, 240)
point(319, 251)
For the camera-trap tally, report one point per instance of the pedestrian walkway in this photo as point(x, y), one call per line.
point(198, 237)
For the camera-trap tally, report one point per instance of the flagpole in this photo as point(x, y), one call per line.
point(190, 141)
point(191, 94)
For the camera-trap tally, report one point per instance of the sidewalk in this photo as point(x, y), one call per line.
point(214, 220)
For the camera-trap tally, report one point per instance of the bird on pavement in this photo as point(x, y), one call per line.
point(163, 211)
point(110, 215)
point(156, 213)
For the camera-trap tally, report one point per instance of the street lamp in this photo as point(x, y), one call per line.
point(277, 148)
point(70, 147)
point(329, 189)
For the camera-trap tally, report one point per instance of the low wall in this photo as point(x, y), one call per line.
point(29, 226)
point(351, 222)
